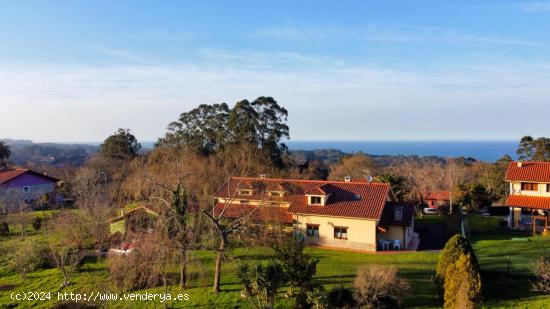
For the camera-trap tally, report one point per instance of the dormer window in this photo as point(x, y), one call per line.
point(318, 195)
point(398, 213)
point(316, 200)
point(276, 193)
point(529, 186)
point(245, 192)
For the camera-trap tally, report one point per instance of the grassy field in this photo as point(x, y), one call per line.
point(479, 224)
point(506, 265)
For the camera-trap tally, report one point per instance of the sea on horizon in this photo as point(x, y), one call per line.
point(488, 151)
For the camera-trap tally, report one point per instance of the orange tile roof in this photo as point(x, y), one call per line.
point(257, 213)
point(439, 195)
point(529, 171)
point(347, 199)
point(318, 190)
point(527, 201)
point(9, 174)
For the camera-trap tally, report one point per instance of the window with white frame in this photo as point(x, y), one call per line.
point(26, 189)
point(312, 230)
point(340, 232)
point(316, 200)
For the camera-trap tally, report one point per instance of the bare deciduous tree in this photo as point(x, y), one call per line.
point(68, 243)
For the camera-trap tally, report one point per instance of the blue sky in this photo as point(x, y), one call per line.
point(353, 70)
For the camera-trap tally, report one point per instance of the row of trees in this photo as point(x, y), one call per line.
point(208, 129)
point(472, 183)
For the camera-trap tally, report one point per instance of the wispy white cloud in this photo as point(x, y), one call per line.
point(384, 34)
point(87, 102)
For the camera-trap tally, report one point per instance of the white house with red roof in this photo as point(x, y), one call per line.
point(347, 214)
point(529, 198)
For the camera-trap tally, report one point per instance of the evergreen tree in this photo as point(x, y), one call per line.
point(208, 129)
point(462, 284)
point(454, 249)
point(5, 152)
point(398, 184)
point(298, 267)
point(121, 145)
point(530, 149)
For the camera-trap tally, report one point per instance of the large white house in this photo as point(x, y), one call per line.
point(348, 214)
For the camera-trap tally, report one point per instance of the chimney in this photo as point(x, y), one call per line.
point(263, 176)
point(347, 178)
point(520, 164)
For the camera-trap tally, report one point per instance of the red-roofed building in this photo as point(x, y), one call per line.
point(17, 185)
point(341, 214)
point(438, 199)
point(529, 198)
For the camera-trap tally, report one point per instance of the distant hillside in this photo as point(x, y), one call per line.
point(25, 152)
point(329, 156)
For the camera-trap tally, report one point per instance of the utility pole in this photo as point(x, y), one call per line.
point(451, 199)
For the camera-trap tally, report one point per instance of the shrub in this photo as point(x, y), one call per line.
point(37, 223)
point(298, 267)
point(379, 285)
point(542, 271)
point(340, 297)
point(29, 256)
point(138, 270)
point(462, 284)
point(261, 283)
point(318, 298)
point(4, 229)
point(454, 248)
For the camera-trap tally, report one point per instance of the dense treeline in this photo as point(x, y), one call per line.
point(29, 154)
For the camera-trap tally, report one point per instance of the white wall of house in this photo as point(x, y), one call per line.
point(402, 233)
point(361, 233)
point(515, 188)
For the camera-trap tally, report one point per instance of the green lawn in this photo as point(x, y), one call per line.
point(480, 224)
point(506, 284)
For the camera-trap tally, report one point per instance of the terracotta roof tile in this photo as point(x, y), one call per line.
point(9, 174)
point(347, 199)
point(527, 201)
point(529, 171)
point(439, 195)
point(259, 213)
point(317, 191)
